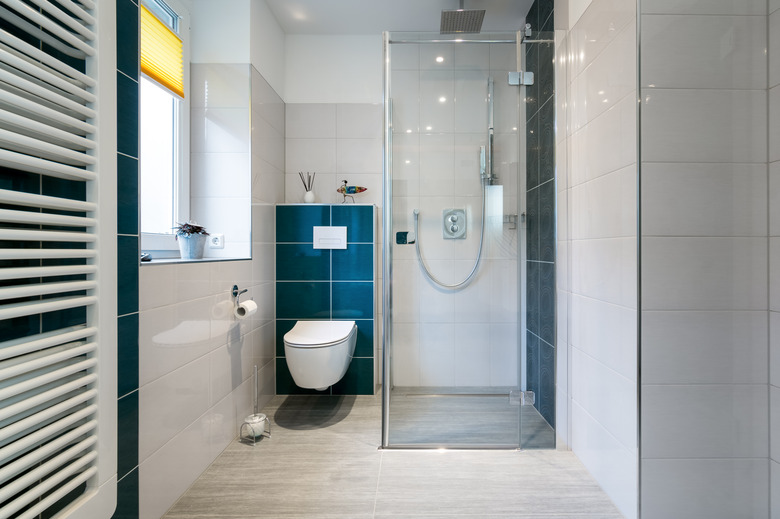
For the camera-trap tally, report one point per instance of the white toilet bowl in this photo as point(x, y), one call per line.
point(319, 352)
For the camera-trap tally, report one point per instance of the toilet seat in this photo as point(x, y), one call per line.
point(318, 334)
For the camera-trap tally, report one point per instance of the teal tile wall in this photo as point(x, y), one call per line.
point(323, 284)
point(128, 241)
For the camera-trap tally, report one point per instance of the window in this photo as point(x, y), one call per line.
point(164, 123)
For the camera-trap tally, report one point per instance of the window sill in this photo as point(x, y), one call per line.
point(169, 261)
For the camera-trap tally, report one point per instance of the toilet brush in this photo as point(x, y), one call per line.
point(254, 425)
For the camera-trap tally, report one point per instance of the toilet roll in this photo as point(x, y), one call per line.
point(245, 309)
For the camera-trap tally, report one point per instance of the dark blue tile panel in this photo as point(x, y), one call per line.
point(358, 380)
point(285, 385)
point(282, 326)
point(546, 395)
point(353, 300)
point(127, 16)
point(546, 141)
point(355, 263)
point(365, 339)
point(127, 354)
point(302, 262)
point(127, 497)
point(532, 225)
point(547, 302)
point(532, 363)
point(127, 195)
point(127, 434)
point(127, 115)
point(127, 270)
point(359, 220)
point(533, 281)
point(546, 221)
point(294, 223)
point(304, 300)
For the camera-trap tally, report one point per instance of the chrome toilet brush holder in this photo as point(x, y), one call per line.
point(255, 425)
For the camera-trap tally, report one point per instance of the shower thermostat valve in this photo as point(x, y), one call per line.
point(454, 224)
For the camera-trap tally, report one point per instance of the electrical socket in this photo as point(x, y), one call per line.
point(216, 241)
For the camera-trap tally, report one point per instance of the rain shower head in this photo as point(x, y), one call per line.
point(454, 21)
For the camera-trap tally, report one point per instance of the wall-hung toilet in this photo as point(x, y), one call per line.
point(318, 353)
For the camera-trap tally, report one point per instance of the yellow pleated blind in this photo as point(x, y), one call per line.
point(161, 53)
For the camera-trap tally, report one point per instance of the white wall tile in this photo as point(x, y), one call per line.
point(435, 115)
point(504, 348)
point(606, 332)
point(704, 125)
point(358, 156)
point(193, 281)
point(406, 354)
point(170, 404)
point(710, 421)
point(775, 489)
point(591, 382)
point(167, 474)
point(704, 273)
point(157, 286)
point(774, 199)
point(774, 348)
point(219, 175)
point(359, 121)
point(267, 103)
point(405, 91)
point(471, 57)
point(429, 54)
point(748, 7)
point(605, 269)
point(220, 130)
point(231, 217)
point(472, 354)
point(597, 28)
point(406, 291)
point(310, 121)
point(313, 155)
point(606, 206)
point(774, 49)
point(774, 124)
point(469, 102)
point(221, 423)
point(437, 354)
point(219, 85)
point(720, 51)
point(612, 465)
point(704, 199)
point(774, 422)
point(704, 347)
point(705, 489)
point(267, 142)
point(404, 57)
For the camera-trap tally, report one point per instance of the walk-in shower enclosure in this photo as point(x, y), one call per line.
point(455, 138)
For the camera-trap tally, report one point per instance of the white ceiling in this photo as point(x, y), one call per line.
point(375, 16)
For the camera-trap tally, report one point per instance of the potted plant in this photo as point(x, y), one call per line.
point(192, 239)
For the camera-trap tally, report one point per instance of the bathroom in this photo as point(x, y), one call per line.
point(666, 295)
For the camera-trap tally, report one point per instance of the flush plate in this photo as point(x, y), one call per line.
point(453, 224)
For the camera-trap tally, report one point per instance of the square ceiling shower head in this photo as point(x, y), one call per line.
point(454, 21)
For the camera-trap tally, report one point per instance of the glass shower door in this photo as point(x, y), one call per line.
point(454, 265)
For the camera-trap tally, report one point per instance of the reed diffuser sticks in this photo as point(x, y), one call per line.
point(308, 181)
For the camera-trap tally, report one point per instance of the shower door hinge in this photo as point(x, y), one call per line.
point(521, 78)
point(522, 398)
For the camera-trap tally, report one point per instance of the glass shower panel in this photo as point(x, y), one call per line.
point(454, 168)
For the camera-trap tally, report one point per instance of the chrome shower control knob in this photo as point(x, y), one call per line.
point(454, 228)
point(453, 218)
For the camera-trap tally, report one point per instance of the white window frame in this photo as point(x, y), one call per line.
point(165, 245)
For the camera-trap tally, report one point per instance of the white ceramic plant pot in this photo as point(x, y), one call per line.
point(191, 247)
point(308, 197)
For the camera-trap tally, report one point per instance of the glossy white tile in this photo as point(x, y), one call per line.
point(157, 286)
point(705, 488)
point(469, 101)
point(220, 130)
point(436, 56)
point(704, 347)
point(170, 404)
point(606, 206)
point(360, 156)
point(471, 57)
point(774, 422)
point(219, 85)
point(219, 174)
point(310, 121)
point(704, 273)
point(748, 7)
point(605, 332)
point(404, 57)
point(406, 291)
point(437, 355)
point(231, 217)
point(774, 489)
point(436, 101)
point(774, 199)
point(704, 125)
point(612, 464)
point(359, 121)
point(710, 421)
point(591, 380)
point(774, 124)
point(165, 475)
point(774, 48)
point(406, 96)
point(315, 155)
point(472, 355)
point(504, 347)
point(193, 281)
point(720, 51)
point(605, 269)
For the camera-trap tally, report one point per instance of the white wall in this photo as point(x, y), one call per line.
point(704, 260)
point(333, 69)
point(597, 233)
point(220, 31)
point(267, 45)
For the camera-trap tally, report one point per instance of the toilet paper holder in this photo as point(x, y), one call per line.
point(237, 294)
